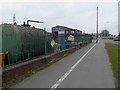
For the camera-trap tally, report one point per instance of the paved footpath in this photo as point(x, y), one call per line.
point(88, 67)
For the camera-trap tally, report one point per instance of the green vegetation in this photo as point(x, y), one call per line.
point(104, 38)
point(65, 54)
point(113, 50)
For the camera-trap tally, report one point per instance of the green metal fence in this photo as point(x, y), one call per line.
point(23, 43)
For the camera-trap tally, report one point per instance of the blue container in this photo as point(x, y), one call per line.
point(62, 41)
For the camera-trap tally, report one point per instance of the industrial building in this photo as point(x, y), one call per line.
point(65, 36)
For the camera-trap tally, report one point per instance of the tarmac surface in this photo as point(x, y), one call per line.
point(114, 42)
point(88, 67)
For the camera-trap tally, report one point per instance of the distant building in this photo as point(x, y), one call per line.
point(57, 30)
point(64, 35)
point(104, 33)
point(94, 35)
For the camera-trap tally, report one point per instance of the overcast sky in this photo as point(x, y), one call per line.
point(74, 14)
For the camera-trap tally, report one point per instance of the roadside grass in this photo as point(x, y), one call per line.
point(113, 50)
point(104, 38)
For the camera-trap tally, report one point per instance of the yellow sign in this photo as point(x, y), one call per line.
point(52, 43)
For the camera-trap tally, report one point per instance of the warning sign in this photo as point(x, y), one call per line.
point(52, 43)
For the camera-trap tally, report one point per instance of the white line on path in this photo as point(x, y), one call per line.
point(70, 70)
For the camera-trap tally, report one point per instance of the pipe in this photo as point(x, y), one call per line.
point(33, 21)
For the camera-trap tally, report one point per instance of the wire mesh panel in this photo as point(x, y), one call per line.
point(21, 43)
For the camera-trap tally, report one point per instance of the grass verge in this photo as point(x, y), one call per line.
point(104, 38)
point(113, 50)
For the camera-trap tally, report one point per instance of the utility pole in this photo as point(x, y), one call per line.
point(45, 41)
point(97, 26)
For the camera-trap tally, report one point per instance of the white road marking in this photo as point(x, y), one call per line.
point(70, 70)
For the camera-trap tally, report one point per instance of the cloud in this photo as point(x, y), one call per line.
point(59, 0)
point(80, 15)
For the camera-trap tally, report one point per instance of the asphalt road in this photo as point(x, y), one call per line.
point(88, 67)
point(114, 42)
